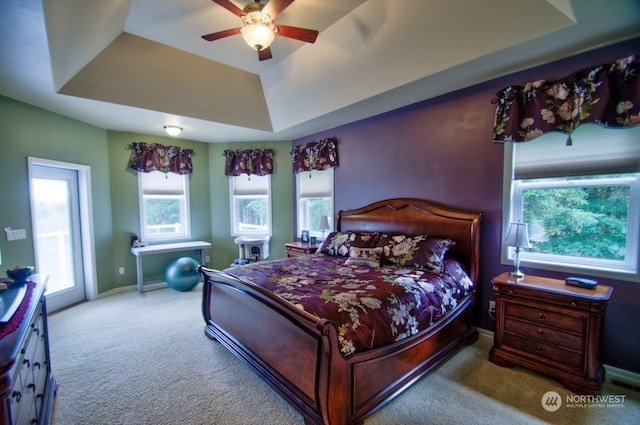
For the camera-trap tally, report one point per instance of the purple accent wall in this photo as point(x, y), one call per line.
point(441, 150)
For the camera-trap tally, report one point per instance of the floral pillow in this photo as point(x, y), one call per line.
point(339, 243)
point(364, 256)
point(415, 251)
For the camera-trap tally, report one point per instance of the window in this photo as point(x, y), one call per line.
point(582, 202)
point(164, 206)
point(314, 199)
point(250, 205)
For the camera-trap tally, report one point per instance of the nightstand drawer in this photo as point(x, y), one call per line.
point(548, 351)
point(295, 249)
point(567, 320)
point(544, 334)
point(544, 325)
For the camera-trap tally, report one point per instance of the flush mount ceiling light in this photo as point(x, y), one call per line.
point(258, 30)
point(172, 130)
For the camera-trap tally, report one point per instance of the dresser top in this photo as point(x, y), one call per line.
point(600, 293)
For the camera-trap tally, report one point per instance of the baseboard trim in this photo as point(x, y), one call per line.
point(613, 375)
point(147, 287)
point(622, 378)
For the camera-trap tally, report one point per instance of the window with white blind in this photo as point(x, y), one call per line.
point(164, 206)
point(581, 202)
point(250, 205)
point(314, 199)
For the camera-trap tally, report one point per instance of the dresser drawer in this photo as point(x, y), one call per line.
point(548, 351)
point(544, 334)
point(559, 319)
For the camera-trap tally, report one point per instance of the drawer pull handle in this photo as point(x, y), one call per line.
point(540, 317)
point(573, 303)
point(539, 349)
point(510, 292)
point(540, 332)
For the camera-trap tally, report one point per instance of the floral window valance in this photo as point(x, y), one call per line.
point(148, 157)
point(258, 162)
point(607, 94)
point(320, 155)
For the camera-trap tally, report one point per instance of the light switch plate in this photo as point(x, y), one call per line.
point(17, 234)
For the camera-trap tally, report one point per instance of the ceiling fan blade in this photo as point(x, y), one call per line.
point(230, 7)
point(264, 54)
point(275, 7)
point(301, 34)
point(221, 34)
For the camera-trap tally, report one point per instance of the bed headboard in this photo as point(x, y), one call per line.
point(412, 216)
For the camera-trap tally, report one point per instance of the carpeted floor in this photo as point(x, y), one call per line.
point(143, 359)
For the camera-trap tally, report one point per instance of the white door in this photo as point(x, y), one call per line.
point(55, 211)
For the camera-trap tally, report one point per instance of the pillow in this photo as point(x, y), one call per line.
point(415, 251)
point(338, 243)
point(364, 256)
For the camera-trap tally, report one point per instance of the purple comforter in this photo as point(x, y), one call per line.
point(370, 306)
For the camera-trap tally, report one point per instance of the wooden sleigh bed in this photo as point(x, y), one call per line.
point(299, 354)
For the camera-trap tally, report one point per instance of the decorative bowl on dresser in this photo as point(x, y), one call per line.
point(551, 328)
point(27, 385)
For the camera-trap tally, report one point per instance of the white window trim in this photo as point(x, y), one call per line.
point(232, 206)
point(549, 262)
point(305, 175)
point(186, 234)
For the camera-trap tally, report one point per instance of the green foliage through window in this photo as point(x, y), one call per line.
point(581, 221)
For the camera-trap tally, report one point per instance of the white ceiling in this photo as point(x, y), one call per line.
point(137, 65)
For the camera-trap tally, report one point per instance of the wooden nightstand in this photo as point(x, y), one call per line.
point(551, 328)
point(295, 249)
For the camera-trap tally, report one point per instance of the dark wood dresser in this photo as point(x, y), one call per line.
point(551, 328)
point(295, 249)
point(27, 386)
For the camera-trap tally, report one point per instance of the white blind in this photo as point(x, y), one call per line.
point(158, 183)
point(595, 150)
point(250, 185)
point(315, 184)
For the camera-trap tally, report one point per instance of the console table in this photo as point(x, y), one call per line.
point(140, 252)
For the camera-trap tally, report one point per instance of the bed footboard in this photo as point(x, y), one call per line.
point(262, 331)
point(298, 354)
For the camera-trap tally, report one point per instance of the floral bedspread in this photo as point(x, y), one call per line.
point(370, 306)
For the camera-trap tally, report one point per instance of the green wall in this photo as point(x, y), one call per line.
point(124, 203)
point(31, 131)
point(224, 249)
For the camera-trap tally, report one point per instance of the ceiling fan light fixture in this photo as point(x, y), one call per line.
point(258, 31)
point(172, 130)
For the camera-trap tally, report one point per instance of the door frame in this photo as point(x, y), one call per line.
point(86, 220)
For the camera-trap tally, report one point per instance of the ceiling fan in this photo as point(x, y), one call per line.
point(259, 30)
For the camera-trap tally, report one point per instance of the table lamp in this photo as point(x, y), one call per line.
point(324, 224)
point(518, 237)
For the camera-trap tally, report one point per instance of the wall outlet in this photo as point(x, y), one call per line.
point(492, 307)
point(121, 270)
point(206, 259)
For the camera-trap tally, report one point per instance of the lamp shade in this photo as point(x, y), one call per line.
point(324, 222)
point(518, 235)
